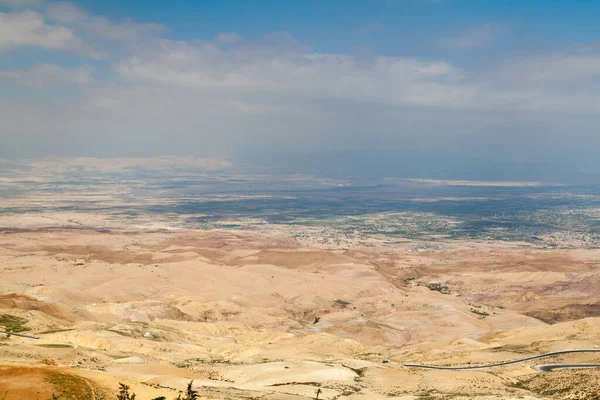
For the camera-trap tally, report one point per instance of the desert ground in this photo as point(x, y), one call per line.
point(247, 316)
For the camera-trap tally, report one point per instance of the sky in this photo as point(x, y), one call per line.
point(457, 89)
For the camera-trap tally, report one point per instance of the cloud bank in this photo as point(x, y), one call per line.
point(136, 92)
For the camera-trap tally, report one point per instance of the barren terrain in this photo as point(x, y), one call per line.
point(264, 317)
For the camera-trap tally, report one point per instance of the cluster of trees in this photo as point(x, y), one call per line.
point(190, 394)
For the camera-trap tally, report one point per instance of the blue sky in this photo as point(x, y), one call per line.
point(390, 27)
point(507, 86)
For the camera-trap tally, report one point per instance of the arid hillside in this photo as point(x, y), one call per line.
point(255, 317)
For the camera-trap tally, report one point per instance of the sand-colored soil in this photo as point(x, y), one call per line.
point(253, 317)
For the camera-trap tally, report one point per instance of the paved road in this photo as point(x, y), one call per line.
point(520, 360)
point(552, 367)
point(18, 334)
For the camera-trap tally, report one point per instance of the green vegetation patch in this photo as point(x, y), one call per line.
point(438, 287)
point(480, 313)
point(12, 323)
point(55, 346)
point(55, 331)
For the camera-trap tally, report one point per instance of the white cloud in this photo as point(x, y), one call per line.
point(264, 71)
point(21, 3)
point(560, 82)
point(125, 32)
point(29, 28)
point(270, 80)
point(555, 69)
point(66, 13)
point(474, 38)
point(228, 38)
point(166, 95)
point(44, 75)
point(64, 26)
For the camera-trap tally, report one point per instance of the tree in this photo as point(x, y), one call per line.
point(124, 393)
point(190, 393)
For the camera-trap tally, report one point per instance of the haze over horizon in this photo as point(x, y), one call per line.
point(451, 89)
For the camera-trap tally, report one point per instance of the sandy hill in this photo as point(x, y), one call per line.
point(247, 316)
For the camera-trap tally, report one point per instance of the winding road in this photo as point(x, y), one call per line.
point(544, 368)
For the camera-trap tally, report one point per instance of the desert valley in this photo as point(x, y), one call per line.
point(250, 313)
point(299, 200)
